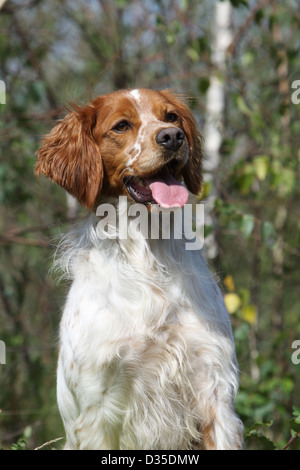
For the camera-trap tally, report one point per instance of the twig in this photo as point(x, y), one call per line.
point(33, 58)
point(23, 241)
point(292, 439)
point(243, 28)
point(49, 442)
point(17, 231)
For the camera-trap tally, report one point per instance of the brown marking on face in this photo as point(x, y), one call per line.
point(92, 150)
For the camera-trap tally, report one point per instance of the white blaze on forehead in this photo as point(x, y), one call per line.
point(146, 117)
point(136, 94)
point(137, 148)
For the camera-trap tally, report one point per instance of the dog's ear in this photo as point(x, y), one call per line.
point(70, 157)
point(192, 171)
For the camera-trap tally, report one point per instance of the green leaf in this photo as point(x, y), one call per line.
point(37, 90)
point(258, 425)
point(259, 15)
point(121, 3)
point(183, 5)
point(245, 295)
point(254, 433)
point(203, 85)
point(224, 208)
point(208, 229)
point(245, 176)
point(237, 3)
point(282, 179)
point(264, 442)
point(296, 412)
point(288, 180)
point(249, 313)
point(160, 22)
point(205, 190)
point(295, 422)
point(241, 334)
point(295, 425)
point(268, 233)
point(247, 225)
point(193, 54)
point(170, 37)
point(242, 106)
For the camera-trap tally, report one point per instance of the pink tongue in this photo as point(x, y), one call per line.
point(167, 191)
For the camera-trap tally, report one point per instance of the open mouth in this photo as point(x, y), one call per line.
point(162, 189)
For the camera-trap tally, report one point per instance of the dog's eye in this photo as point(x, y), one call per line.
point(171, 117)
point(122, 126)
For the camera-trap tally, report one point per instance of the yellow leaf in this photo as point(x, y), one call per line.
point(261, 167)
point(232, 302)
point(229, 283)
point(205, 190)
point(249, 313)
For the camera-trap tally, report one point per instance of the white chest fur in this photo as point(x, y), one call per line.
point(145, 348)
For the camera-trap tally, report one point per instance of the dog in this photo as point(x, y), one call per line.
point(146, 358)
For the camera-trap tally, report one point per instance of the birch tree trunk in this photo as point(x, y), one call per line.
point(215, 106)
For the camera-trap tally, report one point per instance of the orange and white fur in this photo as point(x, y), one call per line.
point(146, 357)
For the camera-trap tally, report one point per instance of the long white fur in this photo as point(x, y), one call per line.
point(147, 359)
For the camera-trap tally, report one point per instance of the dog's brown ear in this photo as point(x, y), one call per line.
point(192, 172)
point(70, 157)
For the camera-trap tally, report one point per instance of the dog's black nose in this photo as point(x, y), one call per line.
point(171, 138)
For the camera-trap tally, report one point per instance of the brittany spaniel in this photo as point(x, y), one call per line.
point(146, 358)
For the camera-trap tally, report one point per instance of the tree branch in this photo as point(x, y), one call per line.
point(33, 58)
point(243, 28)
point(292, 439)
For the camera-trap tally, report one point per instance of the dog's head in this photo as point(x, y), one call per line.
point(140, 143)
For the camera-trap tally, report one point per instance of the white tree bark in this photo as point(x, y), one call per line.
point(213, 130)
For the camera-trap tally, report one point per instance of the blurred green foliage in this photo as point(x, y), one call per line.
point(60, 51)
